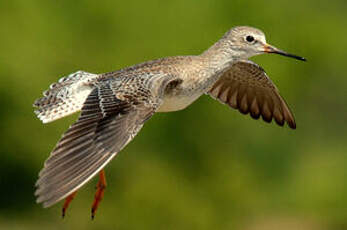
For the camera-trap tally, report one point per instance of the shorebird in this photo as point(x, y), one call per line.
point(115, 105)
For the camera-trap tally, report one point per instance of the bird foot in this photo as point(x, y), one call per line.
point(67, 203)
point(99, 194)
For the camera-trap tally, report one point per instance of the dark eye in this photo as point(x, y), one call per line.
point(250, 39)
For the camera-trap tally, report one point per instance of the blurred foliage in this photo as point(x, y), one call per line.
point(206, 167)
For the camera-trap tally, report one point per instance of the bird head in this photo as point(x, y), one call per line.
point(246, 42)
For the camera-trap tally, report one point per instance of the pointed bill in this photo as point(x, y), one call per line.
point(271, 49)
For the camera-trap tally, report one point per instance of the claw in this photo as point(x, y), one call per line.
point(99, 194)
point(67, 203)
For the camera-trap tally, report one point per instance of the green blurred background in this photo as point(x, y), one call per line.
point(206, 167)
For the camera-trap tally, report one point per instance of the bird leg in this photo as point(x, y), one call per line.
point(99, 194)
point(67, 202)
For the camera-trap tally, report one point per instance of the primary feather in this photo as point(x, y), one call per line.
point(112, 113)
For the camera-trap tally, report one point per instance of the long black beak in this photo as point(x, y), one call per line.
point(272, 49)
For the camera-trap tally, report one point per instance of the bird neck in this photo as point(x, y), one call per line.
point(219, 57)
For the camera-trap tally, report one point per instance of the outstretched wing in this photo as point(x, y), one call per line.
point(108, 121)
point(246, 87)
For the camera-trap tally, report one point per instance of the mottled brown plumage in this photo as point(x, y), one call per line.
point(246, 87)
point(114, 106)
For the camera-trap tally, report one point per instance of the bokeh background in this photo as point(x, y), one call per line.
point(206, 167)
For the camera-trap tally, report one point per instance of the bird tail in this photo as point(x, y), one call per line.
point(64, 97)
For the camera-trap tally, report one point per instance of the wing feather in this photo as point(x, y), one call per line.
point(246, 87)
point(105, 126)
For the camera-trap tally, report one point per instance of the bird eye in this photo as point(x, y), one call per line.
point(250, 39)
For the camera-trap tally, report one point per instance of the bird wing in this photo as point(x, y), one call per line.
point(108, 121)
point(246, 87)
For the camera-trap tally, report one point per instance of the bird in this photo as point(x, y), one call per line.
point(115, 105)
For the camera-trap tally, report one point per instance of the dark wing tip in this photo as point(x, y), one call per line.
point(291, 124)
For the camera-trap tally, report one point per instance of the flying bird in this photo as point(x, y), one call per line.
point(114, 106)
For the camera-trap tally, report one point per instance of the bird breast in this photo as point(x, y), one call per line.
point(178, 102)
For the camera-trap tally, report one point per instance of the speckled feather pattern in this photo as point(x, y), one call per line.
point(115, 105)
point(64, 97)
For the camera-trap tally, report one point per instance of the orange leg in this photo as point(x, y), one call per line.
point(67, 202)
point(99, 192)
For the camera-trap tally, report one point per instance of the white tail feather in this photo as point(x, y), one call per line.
point(65, 97)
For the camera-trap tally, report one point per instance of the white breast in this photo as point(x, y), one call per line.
point(174, 103)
